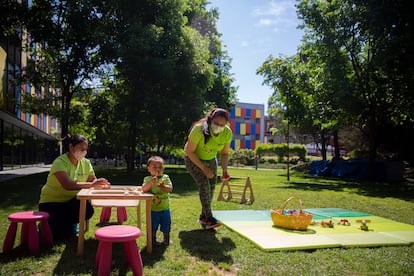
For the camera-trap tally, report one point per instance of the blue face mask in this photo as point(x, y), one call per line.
point(217, 129)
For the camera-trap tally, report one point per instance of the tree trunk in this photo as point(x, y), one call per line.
point(66, 98)
point(132, 134)
point(337, 153)
point(131, 146)
point(323, 145)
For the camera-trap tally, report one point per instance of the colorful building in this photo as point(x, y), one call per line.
point(25, 139)
point(247, 123)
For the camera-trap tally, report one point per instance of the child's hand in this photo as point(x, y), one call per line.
point(161, 184)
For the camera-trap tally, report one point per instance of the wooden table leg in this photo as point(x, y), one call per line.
point(139, 215)
point(81, 235)
point(149, 226)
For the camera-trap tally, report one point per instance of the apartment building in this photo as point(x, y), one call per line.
point(247, 124)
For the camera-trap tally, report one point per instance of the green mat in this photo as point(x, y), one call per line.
point(257, 226)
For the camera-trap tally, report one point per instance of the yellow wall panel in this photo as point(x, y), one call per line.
point(47, 130)
point(237, 144)
point(238, 111)
point(3, 64)
point(242, 129)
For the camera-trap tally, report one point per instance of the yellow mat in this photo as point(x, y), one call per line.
point(257, 226)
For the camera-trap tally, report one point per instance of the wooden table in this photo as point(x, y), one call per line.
point(119, 193)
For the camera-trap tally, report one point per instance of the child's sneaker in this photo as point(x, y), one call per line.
point(155, 242)
point(167, 242)
point(212, 223)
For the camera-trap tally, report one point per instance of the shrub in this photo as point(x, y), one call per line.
point(282, 150)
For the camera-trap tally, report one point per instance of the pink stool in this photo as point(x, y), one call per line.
point(118, 233)
point(29, 234)
point(120, 212)
point(120, 205)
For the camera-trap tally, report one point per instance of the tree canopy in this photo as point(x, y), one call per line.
point(352, 69)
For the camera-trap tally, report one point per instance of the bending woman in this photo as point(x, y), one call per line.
point(207, 137)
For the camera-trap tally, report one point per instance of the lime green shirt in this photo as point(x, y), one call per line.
point(53, 191)
point(214, 144)
point(161, 199)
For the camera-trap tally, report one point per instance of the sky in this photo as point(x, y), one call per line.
point(252, 30)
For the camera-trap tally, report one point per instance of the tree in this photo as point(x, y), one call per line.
point(368, 33)
point(13, 17)
point(222, 93)
point(65, 44)
point(328, 87)
point(163, 69)
point(292, 97)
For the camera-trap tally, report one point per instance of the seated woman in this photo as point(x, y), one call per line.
point(70, 172)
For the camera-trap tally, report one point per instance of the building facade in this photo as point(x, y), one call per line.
point(247, 124)
point(25, 139)
point(269, 136)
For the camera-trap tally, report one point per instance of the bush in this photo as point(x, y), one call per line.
point(243, 156)
point(282, 150)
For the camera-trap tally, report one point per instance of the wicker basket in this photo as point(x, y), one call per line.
point(296, 221)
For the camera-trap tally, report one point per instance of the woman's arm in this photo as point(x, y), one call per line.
point(92, 182)
point(190, 152)
point(224, 157)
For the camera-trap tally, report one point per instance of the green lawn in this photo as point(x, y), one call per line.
point(223, 252)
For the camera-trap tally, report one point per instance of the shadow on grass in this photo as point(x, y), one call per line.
point(71, 264)
point(21, 251)
point(68, 264)
point(156, 255)
point(23, 191)
point(205, 245)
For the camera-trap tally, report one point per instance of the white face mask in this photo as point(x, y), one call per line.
point(217, 129)
point(80, 154)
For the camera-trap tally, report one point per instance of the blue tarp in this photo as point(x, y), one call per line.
point(355, 169)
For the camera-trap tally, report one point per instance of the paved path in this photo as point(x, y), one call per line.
point(10, 174)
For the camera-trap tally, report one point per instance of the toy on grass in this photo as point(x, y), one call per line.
point(328, 224)
point(364, 225)
point(344, 222)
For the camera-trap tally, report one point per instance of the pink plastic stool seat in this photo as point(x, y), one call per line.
point(118, 233)
point(29, 234)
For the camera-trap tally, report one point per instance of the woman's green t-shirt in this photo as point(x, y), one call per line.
point(209, 150)
point(53, 191)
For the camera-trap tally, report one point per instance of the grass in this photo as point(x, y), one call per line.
point(223, 252)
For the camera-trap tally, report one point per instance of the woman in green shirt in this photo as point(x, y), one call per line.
point(207, 137)
point(69, 173)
